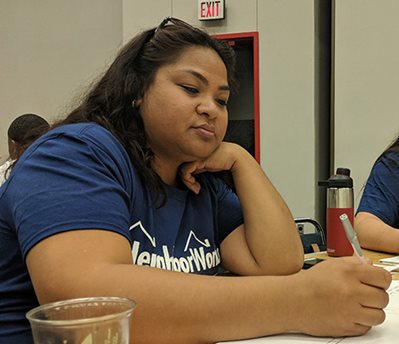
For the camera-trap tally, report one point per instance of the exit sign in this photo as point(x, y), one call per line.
point(209, 10)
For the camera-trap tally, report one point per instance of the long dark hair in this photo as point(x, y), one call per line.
point(109, 102)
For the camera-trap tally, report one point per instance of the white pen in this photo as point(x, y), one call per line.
point(351, 235)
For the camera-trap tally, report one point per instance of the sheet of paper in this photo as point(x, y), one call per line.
point(390, 260)
point(386, 333)
point(391, 268)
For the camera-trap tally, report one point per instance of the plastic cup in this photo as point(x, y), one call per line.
point(92, 320)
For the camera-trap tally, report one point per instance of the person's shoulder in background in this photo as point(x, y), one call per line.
point(3, 170)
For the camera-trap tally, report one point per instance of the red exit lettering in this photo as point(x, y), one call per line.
point(210, 9)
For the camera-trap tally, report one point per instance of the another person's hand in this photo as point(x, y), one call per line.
point(343, 297)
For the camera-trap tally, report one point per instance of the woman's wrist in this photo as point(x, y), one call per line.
point(242, 158)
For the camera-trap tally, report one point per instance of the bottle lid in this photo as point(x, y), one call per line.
point(341, 179)
point(343, 170)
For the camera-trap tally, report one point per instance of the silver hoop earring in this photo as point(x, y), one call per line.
point(134, 104)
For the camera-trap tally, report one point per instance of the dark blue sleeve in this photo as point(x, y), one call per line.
point(71, 181)
point(381, 193)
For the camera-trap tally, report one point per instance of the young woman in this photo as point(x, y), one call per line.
point(377, 217)
point(121, 199)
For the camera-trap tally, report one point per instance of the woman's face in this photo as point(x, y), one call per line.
point(184, 110)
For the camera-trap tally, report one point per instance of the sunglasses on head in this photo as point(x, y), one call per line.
point(174, 21)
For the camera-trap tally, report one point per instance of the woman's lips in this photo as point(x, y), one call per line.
point(206, 130)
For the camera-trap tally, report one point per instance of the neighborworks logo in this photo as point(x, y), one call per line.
point(195, 260)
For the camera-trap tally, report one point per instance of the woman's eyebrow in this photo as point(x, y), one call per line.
point(204, 80)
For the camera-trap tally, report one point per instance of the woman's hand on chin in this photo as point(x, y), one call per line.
point(222, 159)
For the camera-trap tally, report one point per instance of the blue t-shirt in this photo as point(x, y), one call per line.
point(79, 176)
point(381, 193)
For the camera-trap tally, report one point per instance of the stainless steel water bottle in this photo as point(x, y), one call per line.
point(339, 201)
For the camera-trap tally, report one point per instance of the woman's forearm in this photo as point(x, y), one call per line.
point(270, 230)
point(376, 235)
point(173, 307)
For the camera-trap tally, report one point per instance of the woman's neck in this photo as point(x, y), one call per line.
point(166, 170)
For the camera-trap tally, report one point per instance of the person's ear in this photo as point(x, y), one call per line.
point(12, 148)
point(138, 101)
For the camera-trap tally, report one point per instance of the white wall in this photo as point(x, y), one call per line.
point(287, 111)
point(286, 49)
point(366, 81)
point(50, 51)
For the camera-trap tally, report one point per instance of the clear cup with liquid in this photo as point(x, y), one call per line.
point(92, 320)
